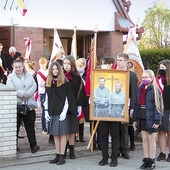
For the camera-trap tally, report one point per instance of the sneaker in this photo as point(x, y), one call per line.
point(132, 148)
point(126, 156)
point(161, 157)
point(44, 131)
point(103, 162)
point(168, 158)
point(113, 163)
point(35, 149)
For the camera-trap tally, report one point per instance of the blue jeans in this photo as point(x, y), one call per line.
point(43, 120)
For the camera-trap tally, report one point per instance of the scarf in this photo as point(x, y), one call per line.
point(68, 75)
point(163, 79)
point(54, 82)
point(142, 99)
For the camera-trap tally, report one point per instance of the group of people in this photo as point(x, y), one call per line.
point(64, 101)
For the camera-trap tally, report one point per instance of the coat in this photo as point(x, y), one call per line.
point(22, 86)
point(57, 97)
point(152, 115)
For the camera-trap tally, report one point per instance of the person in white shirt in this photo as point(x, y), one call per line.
point(41, 79)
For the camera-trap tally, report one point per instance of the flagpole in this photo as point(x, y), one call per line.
point(75, 44)
point(95, 45)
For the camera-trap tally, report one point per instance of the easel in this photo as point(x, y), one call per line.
point(90, 144)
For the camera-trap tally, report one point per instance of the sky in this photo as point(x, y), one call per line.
point(138, 8)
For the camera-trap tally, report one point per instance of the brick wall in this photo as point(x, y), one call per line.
point(109, 44)
point(36, 35)
point(8, 125)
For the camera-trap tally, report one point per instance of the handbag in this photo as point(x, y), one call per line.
point(23, 109)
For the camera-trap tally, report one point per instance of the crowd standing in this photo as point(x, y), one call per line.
point(63, 82)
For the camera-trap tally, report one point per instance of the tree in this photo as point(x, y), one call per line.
point(156, 25)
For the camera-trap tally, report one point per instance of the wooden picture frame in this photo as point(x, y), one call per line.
point(109, 103)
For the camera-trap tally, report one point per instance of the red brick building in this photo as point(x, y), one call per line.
point(109, 39)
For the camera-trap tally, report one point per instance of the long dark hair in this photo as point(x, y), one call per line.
point(72, 61)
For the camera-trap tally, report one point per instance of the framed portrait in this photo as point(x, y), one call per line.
point(109, 95)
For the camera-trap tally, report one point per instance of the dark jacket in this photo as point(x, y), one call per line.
point(166, 97)
point(57, 97)
point(78, 90)
point(9, 60)
point(152, 115)
point(132, 89)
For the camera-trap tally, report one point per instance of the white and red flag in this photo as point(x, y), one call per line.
point(57, 49)
point(135, 63)
point(74, 45)
point(28, 46)
point(91, 63)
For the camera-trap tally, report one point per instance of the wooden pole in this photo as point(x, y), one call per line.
point(92, 135)
point(75, 44)
point(95, 49)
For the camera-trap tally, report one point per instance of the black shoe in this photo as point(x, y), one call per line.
point(145, 163)
point(35, 149)
point(51, 139)
point(95, 147)
point(71, 152)
point(113, 163)
point(99, 147)
point(55, 160)
point(126, 156)
point(103, 162)
point(132, 148)
point(161, 157)
point(61, 160)
point(151, 164)
point(168, 158)
point(81, 139)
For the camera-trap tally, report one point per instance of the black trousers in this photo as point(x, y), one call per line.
point(114, 132)
point(81, 131)
point(124, 139)
point(29, 123)
point(131, 133)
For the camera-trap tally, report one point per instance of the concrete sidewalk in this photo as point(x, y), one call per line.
point(86, 159)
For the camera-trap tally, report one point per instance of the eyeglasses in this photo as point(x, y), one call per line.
point(145, 77)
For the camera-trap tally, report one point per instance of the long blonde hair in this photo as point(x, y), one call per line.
point(61, 79)
point(157, 94)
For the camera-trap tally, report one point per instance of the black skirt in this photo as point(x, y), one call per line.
point(73, 124)
point(142, 125)
point(165, 121)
